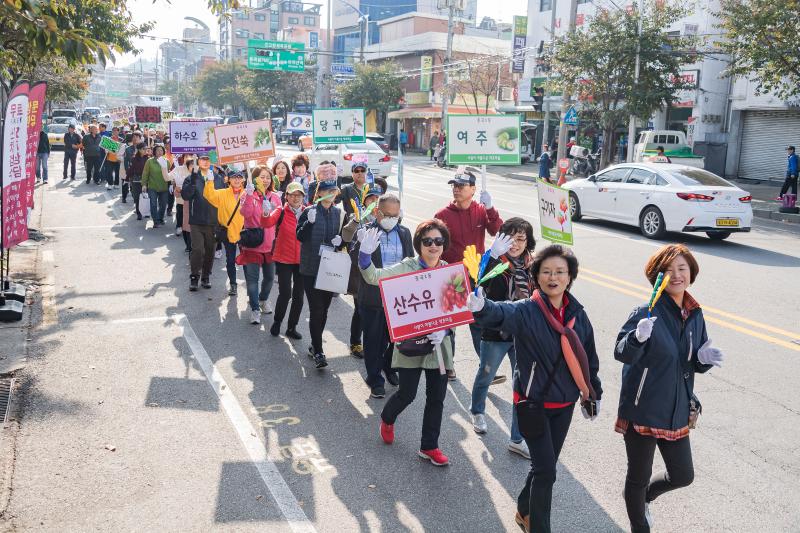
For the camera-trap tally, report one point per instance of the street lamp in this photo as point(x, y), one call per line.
point(363, 21)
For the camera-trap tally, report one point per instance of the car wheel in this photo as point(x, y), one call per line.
point(718, 235)
point(574, 207)
point(651, 223)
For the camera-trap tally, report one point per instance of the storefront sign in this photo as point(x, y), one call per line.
point(244, 141)
point(426, 73)
point(556, 224)
point(150, 114)
point(339, 126)
point(519, 43)
point(483, 139)
point(192, 136)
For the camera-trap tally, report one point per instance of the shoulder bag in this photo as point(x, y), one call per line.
point(222, 231)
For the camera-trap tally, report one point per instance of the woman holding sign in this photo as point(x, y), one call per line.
point(556, 365)
point(662, 345)
point(414, 356)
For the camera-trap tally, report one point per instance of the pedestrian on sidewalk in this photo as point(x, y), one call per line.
point(256, 205)
point(72, 145)
point(431, 239)
point(176, 179)
point(318, 228)
point(92, 155)
point(111, 166)
point(514, 284)
point(155, 180)
point(468, 222)
point(202, 222)
point(403, 140)
point(230, 220)
point(432, 144)
point(548, 328)
point(132, 141)
point(792, 166)
point(138, 163)
point(42, 154)
point(286, 254)
point(544, 163)
point(661, 352)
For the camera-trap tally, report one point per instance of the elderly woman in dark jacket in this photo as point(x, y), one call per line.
point(662, 350)
point(549, 329)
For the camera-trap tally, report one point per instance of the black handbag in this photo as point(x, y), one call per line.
point(222, 231)
point(251, 237)
point(531, 416)
point(415, 347)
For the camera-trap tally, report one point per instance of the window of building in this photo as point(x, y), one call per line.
point(274, 26)
point(240, 52)
point(243, 15)
point(309, 21)
point(258, 35)
point(260, 17)
point(243, 34)
point(294, 20)
point(545, 5)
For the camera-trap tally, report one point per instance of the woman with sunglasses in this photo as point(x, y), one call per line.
point(430, 240)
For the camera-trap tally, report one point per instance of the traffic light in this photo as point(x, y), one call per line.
point(538, 98)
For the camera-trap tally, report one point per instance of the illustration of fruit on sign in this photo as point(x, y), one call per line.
point(454, 293)
point(262, 137)
point(506, 139)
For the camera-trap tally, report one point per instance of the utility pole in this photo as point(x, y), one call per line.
point(632, 117)
point(364, 34)
point(546, 133)
point(451, 4)
point(565, 100)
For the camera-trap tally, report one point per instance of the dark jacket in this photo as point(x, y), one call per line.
point(201, 213)
point(349, 192)
point(500, 289)
point(44, 144)
point(544, 165)
point(130, 151)
point(468, 226)
point(69, 140)
point(658, 376)
point(134, 173)
point(91, 145)
point(538, 346)
point(370, 295)
point(313, 236)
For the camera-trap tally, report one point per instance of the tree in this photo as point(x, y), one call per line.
point(182, 94)
point(480, 77)
point(265, 88)
point(219, 86)
point(65, 83)
point(763, 40)
point(375, 87)
point(598, 63)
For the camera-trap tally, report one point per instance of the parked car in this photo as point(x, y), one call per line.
point(68, 121)
point(55, 134)
point(676, 149)
point(380, 163)
point(661, 197)
point(231, 120)
point(304, 142)
point(378, 139)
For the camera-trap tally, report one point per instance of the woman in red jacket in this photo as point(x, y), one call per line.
point(286, 255)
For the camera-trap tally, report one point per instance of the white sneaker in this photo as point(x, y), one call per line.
point(108, 187)
point(266, 308)
point(178, 231)
point(255, 317)
point(479, 423)
point(647, 515)
point(218, 254)
point(520, 448)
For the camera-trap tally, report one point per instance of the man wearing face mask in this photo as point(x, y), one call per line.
point(395, 245)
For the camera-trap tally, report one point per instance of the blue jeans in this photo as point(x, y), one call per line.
point(230, 260)
point(492, 354)
point(251, 273)
point(41, 166)
point(158, 205)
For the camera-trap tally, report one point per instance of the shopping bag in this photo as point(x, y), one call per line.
point(144, 204)
point(334, 271)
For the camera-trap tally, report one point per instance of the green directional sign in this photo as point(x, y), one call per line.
point(275, 55)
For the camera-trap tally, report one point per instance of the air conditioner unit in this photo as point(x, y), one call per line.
point(506, 94)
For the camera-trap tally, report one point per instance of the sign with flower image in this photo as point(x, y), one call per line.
point(244, 141)
point(556, 224)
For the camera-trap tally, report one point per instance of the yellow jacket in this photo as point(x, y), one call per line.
point(225, 201)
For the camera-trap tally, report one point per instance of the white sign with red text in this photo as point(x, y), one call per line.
point(424, 301)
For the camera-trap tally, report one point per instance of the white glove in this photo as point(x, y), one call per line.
point(597, 410)
point(645, 328)
point(312, 215)
point(475, 302)
point(708, 355)
point(486, 199)
point(502, 244)
point(437, 337)
point(250, 188)
point(360, 234)
point(337, 240)
point(370, 242)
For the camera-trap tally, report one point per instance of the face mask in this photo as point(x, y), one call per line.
point(388, 223)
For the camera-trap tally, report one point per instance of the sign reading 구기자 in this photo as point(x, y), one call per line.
point(483, 139)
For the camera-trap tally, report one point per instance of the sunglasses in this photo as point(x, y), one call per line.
point(359, 171)
point(433, 241)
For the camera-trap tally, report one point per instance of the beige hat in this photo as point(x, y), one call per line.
point(295, 187)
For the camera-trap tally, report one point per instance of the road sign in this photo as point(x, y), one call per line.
point(275, 55)
point(554, 218)
point(313, 39)
point(347, 69)
point(191, 136)
point(118, 94)
point(244, 141)
point(483, 139)
point(339, 125)
point(571, 118)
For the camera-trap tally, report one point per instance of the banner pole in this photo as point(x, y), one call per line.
point(440, 359)
point(483, 177)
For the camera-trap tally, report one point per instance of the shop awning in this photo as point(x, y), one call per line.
point(430, 112)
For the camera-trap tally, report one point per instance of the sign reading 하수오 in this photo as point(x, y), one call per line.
point(483, 139)
point(425, 301)
point(147, 113)
point(244, 141)
point(339, 126)
point(556, 223)
point(192, 136)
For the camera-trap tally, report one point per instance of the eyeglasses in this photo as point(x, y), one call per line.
point(555, 274)
point(433, 241)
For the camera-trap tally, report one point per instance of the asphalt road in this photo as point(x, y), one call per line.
point(216, 425)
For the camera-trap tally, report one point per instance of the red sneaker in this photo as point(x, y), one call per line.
point(387, 432)
point(435, 456)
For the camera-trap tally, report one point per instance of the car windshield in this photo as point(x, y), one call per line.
point(698, 176)
point(57, 128)
point(369, 145)
point(63, 113)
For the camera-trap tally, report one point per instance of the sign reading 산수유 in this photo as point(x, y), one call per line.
point(192, 136)
point(339, 126)
point(556, 223)
point(244, 141)
point(483, 139)
point(424, 301)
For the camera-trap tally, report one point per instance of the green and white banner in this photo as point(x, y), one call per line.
point(483, 139)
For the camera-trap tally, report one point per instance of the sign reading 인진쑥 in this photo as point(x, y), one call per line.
point(147, 114)
point(424, 301)
point(192, 136)
point(483, 139)
point(556, 223)
point(244, 141)
point(339, 126)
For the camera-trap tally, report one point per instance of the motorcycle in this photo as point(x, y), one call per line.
point(440, 154)
point(584, 164)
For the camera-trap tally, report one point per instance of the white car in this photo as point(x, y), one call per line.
point(380, 163)
point(660, 197)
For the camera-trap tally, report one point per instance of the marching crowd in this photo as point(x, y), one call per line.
point(276, 220)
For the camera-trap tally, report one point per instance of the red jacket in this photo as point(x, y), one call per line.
point(287, 247)
point(468, 226)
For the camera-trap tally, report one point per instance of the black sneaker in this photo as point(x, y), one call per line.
point(451, 375)
point(232, 290)
point(193, 283)
point(205, 283)
point(498, 380)
point(320, 361)
point(377, 392)
point(139, 217)
point(392, 378)
point(311, 352)
point(275, 330)
point(293, 334)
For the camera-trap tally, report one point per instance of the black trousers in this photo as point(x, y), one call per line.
point(92, 165)
point(790, 181)
point(537, 495)
point(187, 239)
point(639, 486)
point(377, 355)
point(435, 391)
point(111, 169)
point(318, 304)
point(170, 202)
point(202, 258)
point(355, 325)
point(70, 159)
point(136, 192)
point(290, 287)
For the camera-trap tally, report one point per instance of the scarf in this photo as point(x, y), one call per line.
point(574, 354)
point(521, 277)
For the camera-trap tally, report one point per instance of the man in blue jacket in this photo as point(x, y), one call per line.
point(544, 163)
point(792, 164)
